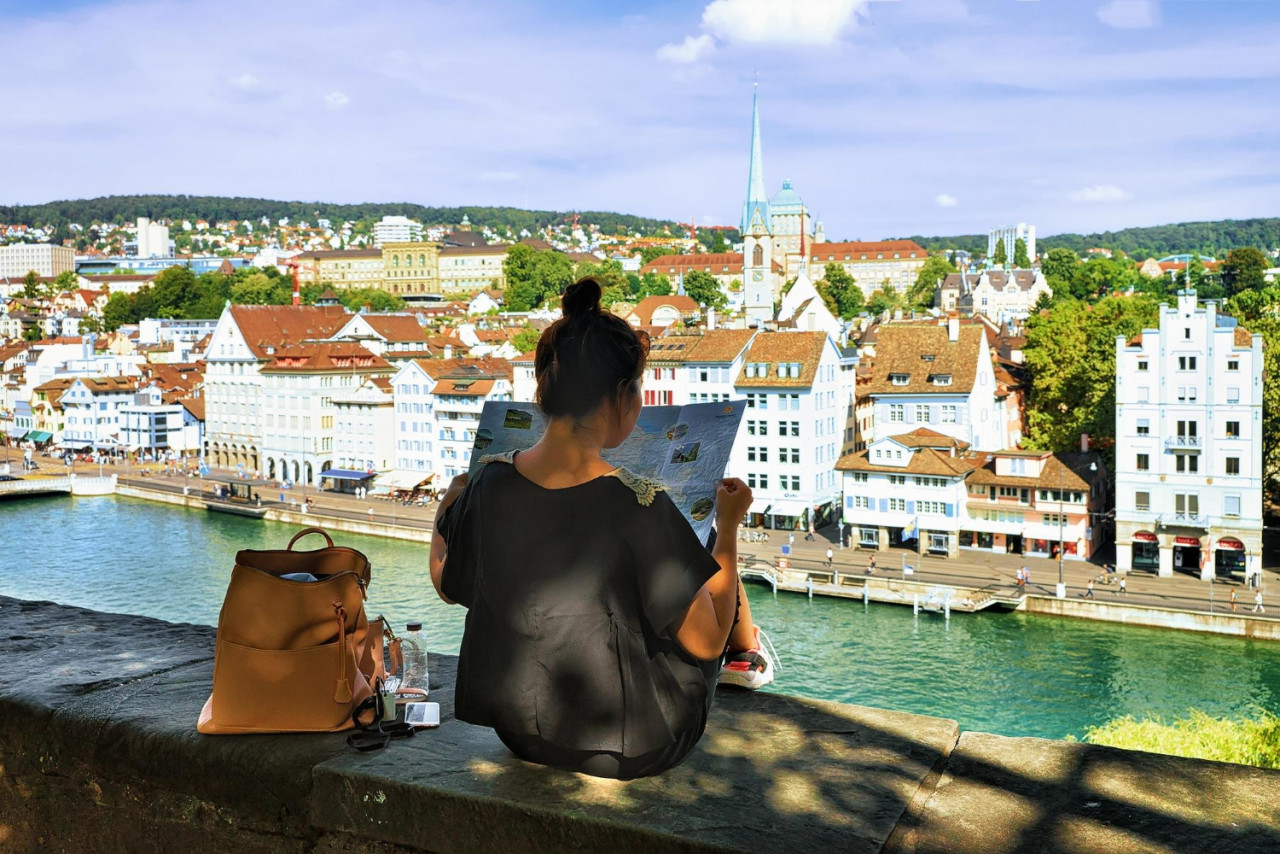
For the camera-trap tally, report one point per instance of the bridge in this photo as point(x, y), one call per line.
point(66, 485)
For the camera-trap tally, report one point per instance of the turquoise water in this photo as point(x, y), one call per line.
point(1004, 673)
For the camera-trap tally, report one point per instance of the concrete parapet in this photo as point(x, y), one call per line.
point(98, 752)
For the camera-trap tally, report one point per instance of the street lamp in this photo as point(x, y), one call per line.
point(1062, 517)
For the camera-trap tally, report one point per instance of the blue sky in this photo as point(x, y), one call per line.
point(891, 117)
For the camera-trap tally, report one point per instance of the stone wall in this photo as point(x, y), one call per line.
point(98, 752)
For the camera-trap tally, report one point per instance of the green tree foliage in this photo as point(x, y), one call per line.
point(535, 276)
point(884, 299)
point(32, 333)
point(526, 340)
point(1002, 254)
point(357, 298)
point(1243, 270)
point(934, 270)
point(66, 281)
point(174, 291)
point(260, 289)
point(1247, 741)
point(1021, 260)
point(32, 287)
point(608, 273)
point(1071, 354)
point(840, 291)
point(703, 289)
point(648, 253)
point(1060, 267)
point(1101, 275)
point(654, 285)
point(718, 243)
point(1212, 238)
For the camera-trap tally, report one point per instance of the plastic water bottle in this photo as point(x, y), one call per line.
point(414, 648)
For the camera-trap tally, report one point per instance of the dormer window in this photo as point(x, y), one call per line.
point(927, 357)
point(900, 379)
point(940, 379)
point(751, 370)
point(782, 369)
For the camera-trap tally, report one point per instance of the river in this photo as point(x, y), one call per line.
point(1011, 674)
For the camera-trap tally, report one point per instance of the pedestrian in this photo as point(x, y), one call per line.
point(1234, 599)
point(1257, 603)
point(1088, 589)
point(830, 555)
point(809, 536)
point(1124, 589)
point(370, 514)
point(791, 538)
point(1026, 576)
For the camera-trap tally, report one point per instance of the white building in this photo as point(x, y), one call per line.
point(92, 410)
point(244, 341)
point(938, 376)
point(153, 239)
point(1001, 295)
point(1189, 444)
point(299, 413)
point(1011, 234)
point(396, 229)
point(364, 428)
point(150, 424)
point(799, 388)
point(18, 259)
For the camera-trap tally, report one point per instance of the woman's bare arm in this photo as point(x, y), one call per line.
point(704, 629)
point(439, 548)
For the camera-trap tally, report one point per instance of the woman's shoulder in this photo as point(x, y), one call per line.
point(508, 457)
point(646, 490)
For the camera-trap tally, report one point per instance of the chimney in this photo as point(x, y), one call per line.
point(1084, 443)
point(448, 351)
point(953, 329)
point(711, 318)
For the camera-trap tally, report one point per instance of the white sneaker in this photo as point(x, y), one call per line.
point(751, 669)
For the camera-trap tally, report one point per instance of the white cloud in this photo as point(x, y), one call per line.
point(791, 22)
point(246, 82)
point(1130, 14)
point(1101, 193)
point(692, 49)
point(945, 201)
point(336, 100)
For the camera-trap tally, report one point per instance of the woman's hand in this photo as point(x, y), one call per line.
point(733, 500)
point(451, 494)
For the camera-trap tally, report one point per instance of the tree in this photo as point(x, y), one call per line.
point(1071, 355)
point(32, 332)
point(608, 273)
point(32, 287)
point(1259, 311)
point(648, 253)
point(1021, 260)
point(1101, 275)
point(884, 299)
point(118, 311)
point(704, 289)
point(654, 285)
point(717, 242)
point(357, 298)
point(175, 291)
point(1001, 257)
point(526, 340)
point(841, 291)
point(1244, 270)
point(1060, 267)
point(258, 289)
point(932, 273)
point(534, 276)
point(66, 281)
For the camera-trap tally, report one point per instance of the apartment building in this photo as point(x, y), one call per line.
point(1189, 444)
point(1001, 295)
point(18, 259)
point(364, 426)
point(92, 411)
point(892, 264)
point(150, 424)
point(396, 229)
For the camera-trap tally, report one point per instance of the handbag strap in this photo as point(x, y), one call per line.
point(321, 531)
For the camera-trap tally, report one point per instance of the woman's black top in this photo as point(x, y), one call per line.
point(571, 596)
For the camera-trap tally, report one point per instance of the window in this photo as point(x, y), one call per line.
point(1143, 463)
point(858, 476)
point(897, 480)
point(898, 504)
point(1186, 334)
point(1186, 504)
point(948, 413)
point(1233, 465)
point(795, 455)
point(1144, 427)
point(940, 379)
point(1233, 364)
point(1231, 505)
point(1233, 429)
point(795, 483)
point(1187, 363)
point(1142, 364)
point(1233, 394)
point(900, 379)
point(1142, 500)
point(795, 428)
point(897, 412)
point(1188, 463)
point(922, 413)
point(1144, 394)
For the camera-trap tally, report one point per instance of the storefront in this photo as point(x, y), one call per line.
point(1186, 554)
point(1146, 551)
point(937, 542)
point(868, 537)
point(1228, 556)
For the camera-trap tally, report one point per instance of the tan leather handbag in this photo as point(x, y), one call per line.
point(292, 656)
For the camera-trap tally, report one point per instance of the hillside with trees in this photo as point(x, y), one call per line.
point(123, 209)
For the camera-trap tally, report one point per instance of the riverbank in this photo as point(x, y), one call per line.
point(965, 585)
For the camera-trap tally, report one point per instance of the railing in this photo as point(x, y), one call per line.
point(1183, 442)
point(1194, 520)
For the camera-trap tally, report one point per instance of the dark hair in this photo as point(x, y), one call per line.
point(587, 356)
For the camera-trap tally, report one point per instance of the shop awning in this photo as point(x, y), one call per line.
point(1145, 537)
point(17, 434)
point(780, 508)
point(345, 474)
point(402, 480)
point(39, 436)
point(1230, 543)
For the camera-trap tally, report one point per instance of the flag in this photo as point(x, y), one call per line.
point(909, 530)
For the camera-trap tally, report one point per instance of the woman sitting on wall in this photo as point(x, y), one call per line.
point(598, 624)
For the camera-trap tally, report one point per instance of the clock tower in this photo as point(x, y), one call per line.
point(757, 232)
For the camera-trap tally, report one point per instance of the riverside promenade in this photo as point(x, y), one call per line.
point(988, 573)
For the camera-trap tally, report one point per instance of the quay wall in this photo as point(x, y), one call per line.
point(99, 753)
point(1239, 624)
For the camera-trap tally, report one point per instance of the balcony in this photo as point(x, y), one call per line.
point(1186, 520)
point(1183, 443)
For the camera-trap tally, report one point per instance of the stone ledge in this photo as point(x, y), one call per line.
point(98, 751)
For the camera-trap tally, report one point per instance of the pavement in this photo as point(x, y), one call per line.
point(994, 573)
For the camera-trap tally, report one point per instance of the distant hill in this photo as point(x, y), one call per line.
point(122, 209)
point(1208, 238)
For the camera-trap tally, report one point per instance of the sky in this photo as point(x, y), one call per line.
point(890, 117)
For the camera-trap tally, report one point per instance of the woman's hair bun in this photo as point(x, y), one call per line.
point(581, 298)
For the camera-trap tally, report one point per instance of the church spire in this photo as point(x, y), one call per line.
point(756, 208)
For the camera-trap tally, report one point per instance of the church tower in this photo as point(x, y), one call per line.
point(757, 231)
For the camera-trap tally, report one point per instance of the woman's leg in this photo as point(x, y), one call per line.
point(743, 635)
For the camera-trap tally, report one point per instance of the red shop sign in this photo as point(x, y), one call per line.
point(1185, 541)
point(1144, 537)
point(1230, 543)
